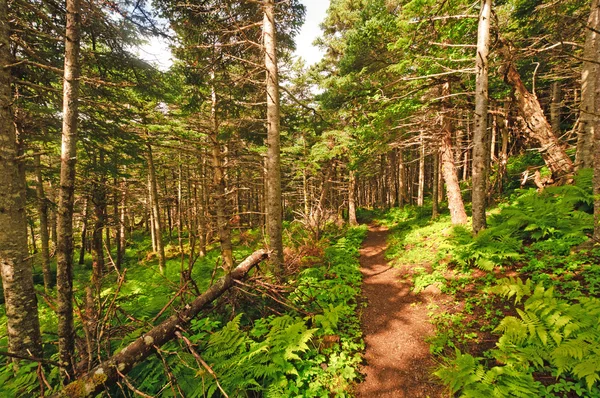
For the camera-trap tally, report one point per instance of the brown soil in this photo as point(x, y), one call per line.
point(395, 324)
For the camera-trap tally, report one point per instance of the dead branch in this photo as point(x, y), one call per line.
point(113, 368)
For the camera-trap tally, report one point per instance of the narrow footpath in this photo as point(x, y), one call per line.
point(395, 325)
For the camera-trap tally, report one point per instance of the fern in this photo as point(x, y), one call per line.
point(549, 332)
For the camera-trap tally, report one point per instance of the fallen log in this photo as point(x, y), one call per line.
point(110, 370)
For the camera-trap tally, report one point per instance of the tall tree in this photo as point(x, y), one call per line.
point(274, 209)
point(68, 158)
point(21, 304)
point(586, 133)
point(481, 113)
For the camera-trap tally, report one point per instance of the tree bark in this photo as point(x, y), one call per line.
point(352, 199)
point(156, 225)
point(537, 126)
point(421, 186)
point(481, 113)
point(43, 214)
point(99, 202)
point(596, 163)
point(555, 106)
point(64, 252)
point(17, 278)
point(274, 210)
point(449, 170)
point(586, 134)
point(84, 231)
point(119, 364)
point(436, 178)
point(223, 228)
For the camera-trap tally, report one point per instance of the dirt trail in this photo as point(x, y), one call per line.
point(395, 325)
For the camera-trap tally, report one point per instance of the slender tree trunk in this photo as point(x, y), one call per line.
point(503, 158)
point(586, 133)
point(156, 225)
point(436, 178)
point(401, 178)
point(17, 279)
point(538, 127)
point(450, 174)
point(84, 231)
point(352, 198)
point(555, 106)
point(52, 218)
point(64, 252)
point(99, 201)
point(481, 114)
point(43, 213)
point(421, 186)
point(274, 210)
point(121, 236)
point(223, 228)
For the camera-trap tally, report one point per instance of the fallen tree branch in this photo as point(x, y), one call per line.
point(119, 364)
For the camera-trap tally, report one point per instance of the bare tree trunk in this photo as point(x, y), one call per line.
point(274, 210)
point(43, 213)
point(538, 127)
point(121, 238)
point(455, 201)
point(219, 188)
point(156, 225)
point(586, 133)
point(436, 178)
point(84, 231)
point(352, 198)
point(17, 279)
point(555, 106)
point(481, 113)
point(503, 158)
point(421, 191)
point(64, 266)
point(401, 178)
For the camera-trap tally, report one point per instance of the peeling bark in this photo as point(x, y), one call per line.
point(538, 128)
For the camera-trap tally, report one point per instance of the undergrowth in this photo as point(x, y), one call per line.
point(305, 344)
point(515, 307)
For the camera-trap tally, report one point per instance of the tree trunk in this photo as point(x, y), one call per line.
point(84, 231)
point(436, 177)
point(586, 133)
point(274, 216)
point(121, 239)
point(538, 127)
point(449, 170)
point(421, 187)
point(99, 202)
point(481, 113)
point(64, 252)
point(43, 213)
point(352, 199)
point(596, 142)
point(119, 364)
point(555, 106)
point(223, 228)
point(17, 279)
point(156, 225)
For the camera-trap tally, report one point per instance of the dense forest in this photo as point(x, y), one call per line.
point(197, 231)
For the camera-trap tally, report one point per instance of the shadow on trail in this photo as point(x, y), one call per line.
point(398, 361)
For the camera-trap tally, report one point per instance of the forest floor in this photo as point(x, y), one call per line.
point(395, 325)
